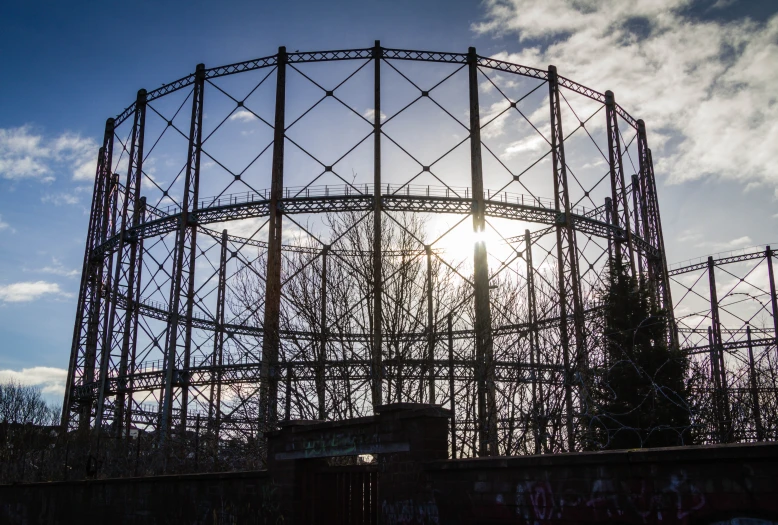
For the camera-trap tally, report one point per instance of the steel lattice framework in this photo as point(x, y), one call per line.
point(196, 303)
point(729, 326)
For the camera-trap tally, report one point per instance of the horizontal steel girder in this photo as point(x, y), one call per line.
point(168, 223)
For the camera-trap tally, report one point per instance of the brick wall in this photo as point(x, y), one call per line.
point(691, 485)
point(722, 484)
point(190, 499)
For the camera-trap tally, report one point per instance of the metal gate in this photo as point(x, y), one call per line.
point(343, 495)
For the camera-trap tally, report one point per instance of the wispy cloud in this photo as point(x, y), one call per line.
point(700, 85)
point(27, 154)
point(740, 242)
point(51, 380)
point(23, 292)
point(58, 199)
point(530, 144)
point(55, 268)
point(369, 114)
point(243, 116)
point(5, 226)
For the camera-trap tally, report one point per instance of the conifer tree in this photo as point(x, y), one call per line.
point(641, 399)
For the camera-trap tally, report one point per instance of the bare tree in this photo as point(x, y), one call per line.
point(25, 404)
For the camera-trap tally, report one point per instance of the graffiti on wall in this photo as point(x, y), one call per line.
point(341, 444)
point(673, 497)
point(410, 512)
point(676, 501)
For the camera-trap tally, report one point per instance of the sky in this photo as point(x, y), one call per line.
point(701, 73)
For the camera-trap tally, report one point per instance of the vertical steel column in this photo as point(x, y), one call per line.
point(569, 290)
point(451, 392)
point(532, 321)
point(608, 216)
point(754, 391)
point(620, 212)
point(271, 341)
point(128, 387)
point(110, 291)
point(320, 368)
point(534, 352)
point(120, 291)
point(288, 396)
point(89, 296)
point(773, 298)
point(661, 277)
point(182, 277)
point(430, 328)
point(649, 230)
point(217, 359)
point(121, 331)
point(716, 321)
point(636, 196)
point(487, 409)
point(376, 371)
point(85, 332)
point(714, 372)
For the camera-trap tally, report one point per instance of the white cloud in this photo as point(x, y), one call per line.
point(740, 242)
point(29, 291)
point(689, 235)
point(51, 380)
point(58, 199)
point(703, 87)
point(56, 268)
point(21, 154)
point(369, 114)
point(243, 115)
point(5, 226)
point(25, 154)
point(531, 144)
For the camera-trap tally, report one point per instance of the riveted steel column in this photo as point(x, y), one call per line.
point(430, 329)
point(620, 211)
point(487, 410)
point(110, 290)
point(121, 295)
point(376, 369)
point(451, 391)
point(608, 217)
point(288, 396)
point(191, 245)
point(639, 255)
point(182, 279)
point(773, 298)
point(320, 365)
point(569, 290)
point(121, 329)
point(534, 351)
point(648, 231)
point(661, 277)
point(89, 297)
point(716, 377)
point(217, 359)
point(128, 384)
point(271, 341)
point(716, 325)
point(754, 390)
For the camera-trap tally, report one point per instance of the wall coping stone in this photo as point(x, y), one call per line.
point(687, 454)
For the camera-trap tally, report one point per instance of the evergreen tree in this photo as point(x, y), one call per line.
point(641, 400)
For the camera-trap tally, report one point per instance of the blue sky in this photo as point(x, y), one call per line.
point(699, 72)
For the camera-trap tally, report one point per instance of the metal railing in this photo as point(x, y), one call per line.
point(387, 190)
